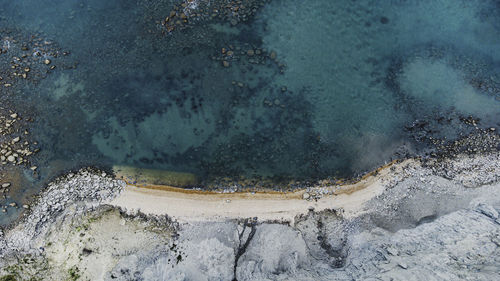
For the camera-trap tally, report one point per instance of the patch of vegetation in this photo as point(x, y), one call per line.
point(74, 273)
point(13, 269)
point(9, 277)
point(83, 227)
point(26, 268)
point(28, 260)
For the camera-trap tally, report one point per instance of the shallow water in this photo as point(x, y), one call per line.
point(328, 89)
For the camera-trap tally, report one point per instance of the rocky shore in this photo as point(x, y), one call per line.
point(258, 109)
point(87, 188)
point(434, 219)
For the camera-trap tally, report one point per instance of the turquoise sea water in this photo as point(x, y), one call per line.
point(328, 88)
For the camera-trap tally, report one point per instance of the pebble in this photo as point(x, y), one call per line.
point(5, 185)
point(46, 61)
point(306, 196)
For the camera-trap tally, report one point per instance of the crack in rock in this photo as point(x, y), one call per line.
point(251, 223)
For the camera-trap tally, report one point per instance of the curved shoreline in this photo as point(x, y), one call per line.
point(92, 223)
point(196, 205)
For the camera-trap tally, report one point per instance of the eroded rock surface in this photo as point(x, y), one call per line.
point(424, 226)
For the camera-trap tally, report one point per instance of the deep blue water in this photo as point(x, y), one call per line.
point(328, 88)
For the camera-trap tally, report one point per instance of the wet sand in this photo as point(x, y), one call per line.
point(195, 205)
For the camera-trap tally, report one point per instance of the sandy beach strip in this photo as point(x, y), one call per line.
point(195, 205)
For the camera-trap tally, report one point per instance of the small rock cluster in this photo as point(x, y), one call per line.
point(481, 141)
point(252, 55)
point(190, 12)
point(469, 170)
point(25, 57)
point(15, 148)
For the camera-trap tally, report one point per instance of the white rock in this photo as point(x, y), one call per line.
point(487, 210)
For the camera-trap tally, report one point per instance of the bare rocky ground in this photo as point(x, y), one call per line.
point(435, 221)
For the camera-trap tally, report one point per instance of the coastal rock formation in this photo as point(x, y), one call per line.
point(423, 225)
